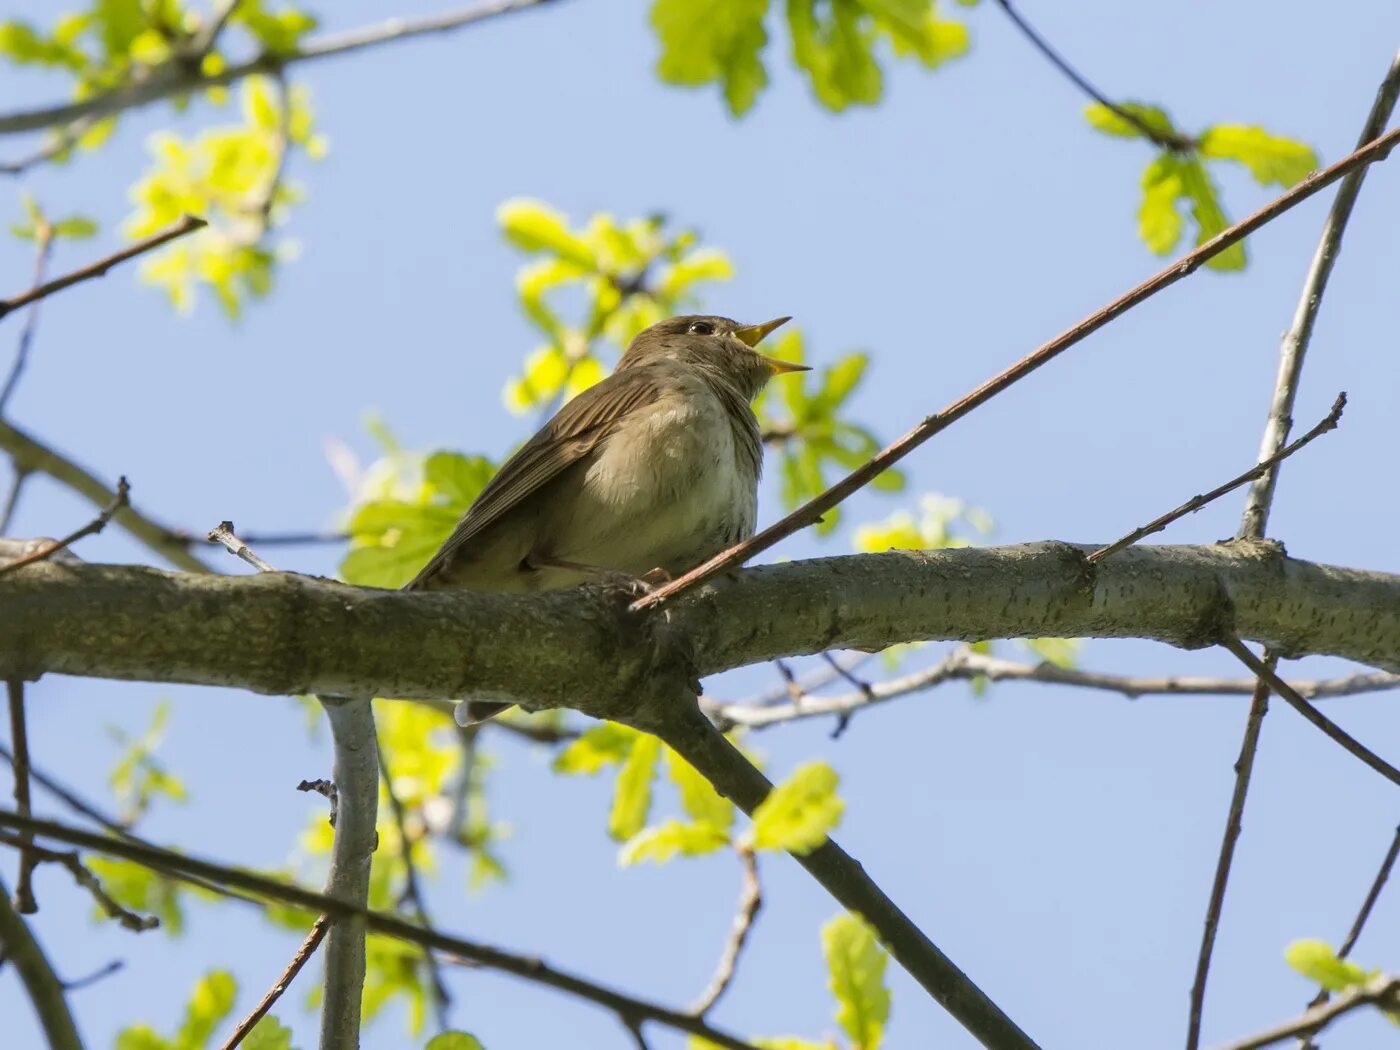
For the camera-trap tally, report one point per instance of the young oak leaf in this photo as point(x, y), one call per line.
point(856, 974)
point(799, 812)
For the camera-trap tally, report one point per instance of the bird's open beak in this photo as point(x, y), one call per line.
point(751, 334)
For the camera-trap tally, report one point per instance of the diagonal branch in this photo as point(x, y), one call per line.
point(1381, 991)
point(19, 740)
point(92, 528)
point(811, 511)
point(301, 958)
point(186, 225)
point(528, 967)
point(44, 988)
point(750, 901)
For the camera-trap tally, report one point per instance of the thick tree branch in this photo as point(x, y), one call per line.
point(44, 988)
point(811, 511)
point(281, 633)
point(32, 457)
point(529, 967)
point(180, 76)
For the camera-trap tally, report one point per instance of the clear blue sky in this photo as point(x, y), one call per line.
point(1058, 845)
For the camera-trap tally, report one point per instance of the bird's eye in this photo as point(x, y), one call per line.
point(701, 328)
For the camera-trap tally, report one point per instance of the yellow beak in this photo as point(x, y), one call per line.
point(752, 334)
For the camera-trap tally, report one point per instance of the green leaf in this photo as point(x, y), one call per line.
point(268, 1034)
point(1159, 222)
point(1316, 961)
point(791, 1042)
point(1102, 118)
point(278, 32)
point(664, 841)
point(856, 965)
point(75, 227)
point(119, 23)
point(209, 1004)
point(141, 1037)
point(718, 40)
point(799, 812)
point(701, 802)
point(632, 793)
point(453, 1041)
point(457, 478)
point(1210, 217)
point(836, 51)
point(535, 227)
point(140, 890)
point(602, 745)
point(1271, 159)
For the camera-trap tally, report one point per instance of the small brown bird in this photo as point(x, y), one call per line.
point(646, 474)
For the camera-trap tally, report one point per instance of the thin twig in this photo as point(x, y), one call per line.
point(963, 665)
point(1155, 135)
point(223, 533)
point(750, 901)
point(290, 539)
point(179, 76)
point(300, 959)
point(529, 967)
point(84, 981)
point(92, 528)
point(326, 790)
point(61, 140)
point(12, 494)
point(1195, 503)
point(413, 890)
point(1254, 521)
point(84, 878)
point(44, 234)
point(33, 457)
point(25, 903)
point(1359, 923)
point(1312, 714)
point(188, 224)
point(811, 511)
point(1381, 991)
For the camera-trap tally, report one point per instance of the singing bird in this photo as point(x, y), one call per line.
point(644, 475)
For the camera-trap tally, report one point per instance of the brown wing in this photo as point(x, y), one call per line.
point(573, 432)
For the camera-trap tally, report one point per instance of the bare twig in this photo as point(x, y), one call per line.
point(963, 665)
point(93, 527)
point(25, 903)
point(529, 967)
point(188, 224)
point(1254, 521)
point(413, 891)
point(1155, 135)
point(32, 457)
point(1312, 714)
point(179, 76)
point(44, 235)
point(223, 533)
point(60, 141)
point(87, 979)
point(326, 790)
point(303, 955)
point(1358, 924)
point(1381, 991)
point(811, 511)
point(1195, 503)
point(750, 901)
point(12, 494)
point(291, 539)
point(84, 878)
point(44, 988)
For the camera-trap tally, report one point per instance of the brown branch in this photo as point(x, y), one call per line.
point(25, 903)
point(44, 235)
point(964, 665)
point(1381, 991)
point(1254, 521)
point(300, 959)
point(1359, 923)
point(188, 224)
point(528, 967)
point(750, 901)
point(84, 878)
point(11, 503)
point(1195, 503)
point(811, 511)
point(32, 457)
point(1312, 714)
point(1177, 143)
point(92, 528)
point(412, 890)
point(42, 985)
point(179, 76)
point(223, 533)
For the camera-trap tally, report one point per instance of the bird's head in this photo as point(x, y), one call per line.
point(714, 344)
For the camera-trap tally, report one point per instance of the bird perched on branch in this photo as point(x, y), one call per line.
point(641, 477)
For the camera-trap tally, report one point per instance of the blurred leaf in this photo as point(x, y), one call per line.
point(632, 793)
point(717, 40)
point(1210, 217)
point(602, 745)
point(278, 32)
point(942, 523)
point(1058, 651)
point(75, 227)
point(1159, 222)
point(140, 890)
point(833, 41)
point(856, 964)
point(1318, 962)
point(664, 841)
point(1104, 119)
point(138, 778)
point(798, 813)
point(210, 1002)
point(1271, 159)
point(701, 802)
point(535, 227)
point(268, 1034)
point(453, 1041)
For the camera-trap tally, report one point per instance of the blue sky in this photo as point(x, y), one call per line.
point(1058, 845)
